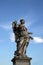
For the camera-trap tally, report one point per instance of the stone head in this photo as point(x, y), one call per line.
point(22, 21)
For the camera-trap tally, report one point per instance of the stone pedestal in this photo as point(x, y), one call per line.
point(21, 61)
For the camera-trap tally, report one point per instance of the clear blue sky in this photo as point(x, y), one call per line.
point(32, 12)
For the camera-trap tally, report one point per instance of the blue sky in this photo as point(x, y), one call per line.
point(32, 12)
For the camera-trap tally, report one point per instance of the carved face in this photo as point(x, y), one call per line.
point(22, 21)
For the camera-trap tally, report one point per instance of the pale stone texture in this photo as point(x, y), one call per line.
point(21, 61)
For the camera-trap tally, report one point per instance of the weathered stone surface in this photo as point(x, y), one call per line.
point(21, 61)
point(22, 38)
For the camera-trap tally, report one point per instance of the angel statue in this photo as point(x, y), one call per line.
point(22, 37)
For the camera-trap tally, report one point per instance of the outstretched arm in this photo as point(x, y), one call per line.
point(31, 37)
point(30, 33)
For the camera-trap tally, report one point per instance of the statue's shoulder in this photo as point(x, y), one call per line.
point(20, 26)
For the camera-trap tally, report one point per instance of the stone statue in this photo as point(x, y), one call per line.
point(22, 37)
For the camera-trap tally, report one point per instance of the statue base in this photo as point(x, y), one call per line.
point(21, 60)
